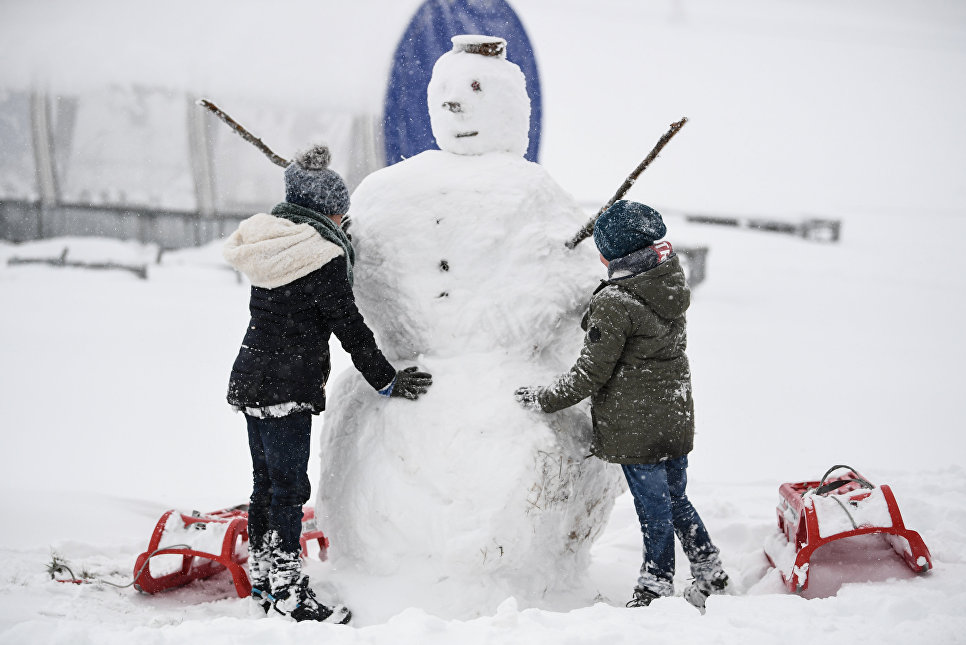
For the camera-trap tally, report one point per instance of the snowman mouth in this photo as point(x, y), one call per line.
point(460, 135)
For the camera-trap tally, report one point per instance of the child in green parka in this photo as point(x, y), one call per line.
point(634, 367)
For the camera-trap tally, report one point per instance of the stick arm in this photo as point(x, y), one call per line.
point(588, 229)
point(243, 133)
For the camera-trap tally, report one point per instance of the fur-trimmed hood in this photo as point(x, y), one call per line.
point(273, 251)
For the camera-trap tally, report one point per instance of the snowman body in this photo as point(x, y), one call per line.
point(462, 270)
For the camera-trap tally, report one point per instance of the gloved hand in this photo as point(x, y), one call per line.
point(527, 396)
point(410, 383)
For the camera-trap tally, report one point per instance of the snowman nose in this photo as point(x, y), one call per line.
point(452, 106)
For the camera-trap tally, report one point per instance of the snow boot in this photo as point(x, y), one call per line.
point(718, 581)
point(298, 601)
point(259, 568)
point(697, 595)
point(294, 597)
point(709, 574)
point(714, 581)
point(642, 598)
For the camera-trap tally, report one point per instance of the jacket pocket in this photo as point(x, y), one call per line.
point(248, 361)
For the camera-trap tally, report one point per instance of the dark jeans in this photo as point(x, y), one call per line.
point(280, 462)
point(664, 510)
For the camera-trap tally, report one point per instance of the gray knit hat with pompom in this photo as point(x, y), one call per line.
point(309, 183)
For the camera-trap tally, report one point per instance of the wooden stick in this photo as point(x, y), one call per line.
point(243, 133)
point(588, 229)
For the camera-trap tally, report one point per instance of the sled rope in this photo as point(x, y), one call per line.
point(62, 566)
point(846, 511)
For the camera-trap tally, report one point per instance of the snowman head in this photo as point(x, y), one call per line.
point(478, 99)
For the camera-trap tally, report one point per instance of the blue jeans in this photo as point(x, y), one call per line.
point(280, 479)
point(664, 510)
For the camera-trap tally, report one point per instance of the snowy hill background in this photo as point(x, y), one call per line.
point(804, 355)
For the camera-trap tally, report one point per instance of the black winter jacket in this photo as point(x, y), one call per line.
point(284, 356)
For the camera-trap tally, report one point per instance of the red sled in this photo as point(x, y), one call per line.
point(812, 514)
point(191, 547)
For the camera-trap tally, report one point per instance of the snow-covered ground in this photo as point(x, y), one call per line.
point(805, 355)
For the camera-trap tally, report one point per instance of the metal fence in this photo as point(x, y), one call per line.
point(149, 164)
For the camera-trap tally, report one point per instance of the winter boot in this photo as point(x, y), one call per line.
point(642, 598)
point(259, 568)
point(697, 595)
point(286, 566)
point(709, 578)
point(294, 597)
point(298, 601)
point(718, 580)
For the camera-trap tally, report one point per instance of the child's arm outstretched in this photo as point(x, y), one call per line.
point(608, 327)
point(348, 325)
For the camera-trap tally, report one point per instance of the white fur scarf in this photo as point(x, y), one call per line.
point(273, 251)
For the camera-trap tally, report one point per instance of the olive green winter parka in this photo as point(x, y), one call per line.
point(634, 367)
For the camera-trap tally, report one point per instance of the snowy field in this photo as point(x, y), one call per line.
point(804, 354)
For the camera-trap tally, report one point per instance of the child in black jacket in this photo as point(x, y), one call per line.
point(299, 261)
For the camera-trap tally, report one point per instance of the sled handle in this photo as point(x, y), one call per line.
point(824, 488)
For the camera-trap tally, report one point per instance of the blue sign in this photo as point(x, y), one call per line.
point(406, 127)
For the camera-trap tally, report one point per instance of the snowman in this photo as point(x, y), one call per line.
point(462, 269)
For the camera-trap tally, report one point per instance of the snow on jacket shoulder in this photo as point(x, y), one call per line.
point(272, 251)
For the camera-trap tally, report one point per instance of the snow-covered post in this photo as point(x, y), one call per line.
point(43, 149)
point(201, 163)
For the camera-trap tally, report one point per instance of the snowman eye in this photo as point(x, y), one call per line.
point(476, 86)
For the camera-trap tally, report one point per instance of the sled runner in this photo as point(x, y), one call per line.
point(186, 547)
point(812, 514)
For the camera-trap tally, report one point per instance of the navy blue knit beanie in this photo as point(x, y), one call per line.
point(309, 183)
point(626, 227)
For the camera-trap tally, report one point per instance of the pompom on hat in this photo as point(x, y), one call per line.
point(311, 184)
point(626, 227)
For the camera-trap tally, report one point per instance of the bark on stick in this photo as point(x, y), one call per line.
point(588, 229)
point(243, 133)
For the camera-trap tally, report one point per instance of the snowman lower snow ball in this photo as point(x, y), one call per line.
point(462, 269)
